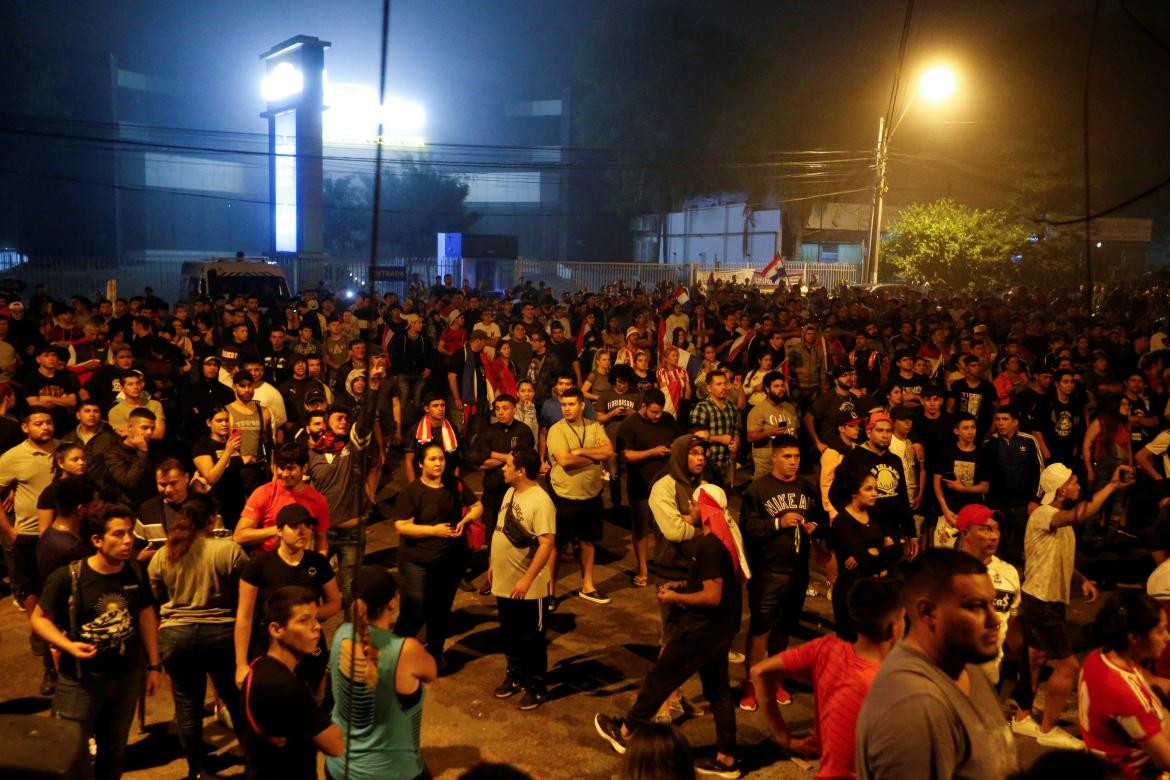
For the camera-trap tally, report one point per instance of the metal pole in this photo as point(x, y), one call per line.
point(378, 152)
point(875, 217)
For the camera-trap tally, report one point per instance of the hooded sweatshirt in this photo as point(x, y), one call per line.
point(670, 505)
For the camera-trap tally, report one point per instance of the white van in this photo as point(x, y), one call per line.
point(232, 276)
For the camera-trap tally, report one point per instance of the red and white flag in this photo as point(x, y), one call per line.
point(774, 268)
point(679, 296)
point(740, 344)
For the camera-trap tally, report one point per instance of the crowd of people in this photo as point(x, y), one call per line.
point(187, 488)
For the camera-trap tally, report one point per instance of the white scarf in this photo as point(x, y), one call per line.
point(425, 433)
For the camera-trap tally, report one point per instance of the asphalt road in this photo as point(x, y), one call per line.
point(598, 656)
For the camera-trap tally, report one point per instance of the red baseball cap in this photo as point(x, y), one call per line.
point(876, 418)
point(975, 514)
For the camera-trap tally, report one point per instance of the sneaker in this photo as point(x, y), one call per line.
point(664, 718)
point(747, 702)
point(1059, 738)
point(467, 586)
point(533, 698)
point(783, 697)
point(735, 658)
point(49, 683)
point(508, 687)
point(711, 767)
point(596, 596)
point(610, 728)
point(1028, 727)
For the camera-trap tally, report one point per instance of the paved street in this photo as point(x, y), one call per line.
point(598, 657)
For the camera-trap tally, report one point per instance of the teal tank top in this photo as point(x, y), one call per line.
point(384, 735)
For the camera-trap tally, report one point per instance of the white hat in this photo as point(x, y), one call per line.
point(1053, 479)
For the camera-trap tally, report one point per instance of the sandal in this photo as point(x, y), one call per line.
point(640, 581)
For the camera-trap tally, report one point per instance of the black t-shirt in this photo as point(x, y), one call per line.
point(979, 401)
point(56, 548)
point(499, 438)
point(425, 505)
point(638, 433)
point(283, 708)
point(968, 468)
point(826, 408)
point(711, 561)
point(457, 365)
point(936, 435)
point(34, 383)
point(566, 352)
point(107, 617)
point(766, 500)
point(911, 386)
point(1030, 403)
point(268, 572)
point(1063, 427)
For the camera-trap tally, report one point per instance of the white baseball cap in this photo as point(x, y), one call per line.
point(1053, 479)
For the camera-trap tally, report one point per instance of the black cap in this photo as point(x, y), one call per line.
point(842, 370)
point(212, 359)
point(847, 417)
point(315, 398)
point(294, 514)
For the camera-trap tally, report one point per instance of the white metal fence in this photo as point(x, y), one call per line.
point(88, 276)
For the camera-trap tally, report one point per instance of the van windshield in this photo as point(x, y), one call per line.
point(263, 287)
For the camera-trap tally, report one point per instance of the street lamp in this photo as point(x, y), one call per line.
point(936, 85)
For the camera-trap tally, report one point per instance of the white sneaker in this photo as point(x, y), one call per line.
point(1059, 738)
point(1028, 727)
point(734, 657)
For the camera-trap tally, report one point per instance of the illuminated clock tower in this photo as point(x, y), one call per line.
point(295, 94)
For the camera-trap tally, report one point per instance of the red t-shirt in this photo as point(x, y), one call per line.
point(1117, 712)
point(840, 679)
point(453, 339)
point(267, 500)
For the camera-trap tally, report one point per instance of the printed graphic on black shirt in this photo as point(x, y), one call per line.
point(113, 624)
point(887, 480)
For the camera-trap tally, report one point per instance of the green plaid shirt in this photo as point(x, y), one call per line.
point(720, 422)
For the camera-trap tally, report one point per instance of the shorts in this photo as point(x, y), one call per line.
point(21, 560)
point(1045, 627)
point(775, 599)
point(582, 520)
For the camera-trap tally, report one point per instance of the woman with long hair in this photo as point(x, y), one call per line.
point(1120, 714)
point(861, 547)
point(1106, 446)
point(430, 516)
point(753, 382)
point(195, 581)
point(217, 460)
point(598, 380)
point(613, 336)
point(378, 680)
point(68, 461)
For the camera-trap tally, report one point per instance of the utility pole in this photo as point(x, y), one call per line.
point(879, 194)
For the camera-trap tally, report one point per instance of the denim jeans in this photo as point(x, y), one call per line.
point(410, 391)
point(190, 654)
point(428, 591)
point(343, 542)
point(104, 708)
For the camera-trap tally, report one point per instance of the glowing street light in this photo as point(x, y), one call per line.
point(937, 85)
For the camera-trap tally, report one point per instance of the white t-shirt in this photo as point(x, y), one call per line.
point(1158, 585)
point(1160, 445)
point(1006, 580)
point(534, 510)
point(1049, 555)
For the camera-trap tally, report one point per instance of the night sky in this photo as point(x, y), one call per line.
point(831, 67)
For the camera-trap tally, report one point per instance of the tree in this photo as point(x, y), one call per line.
point(966, 247)
point(416, 204)
point(944, 241)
